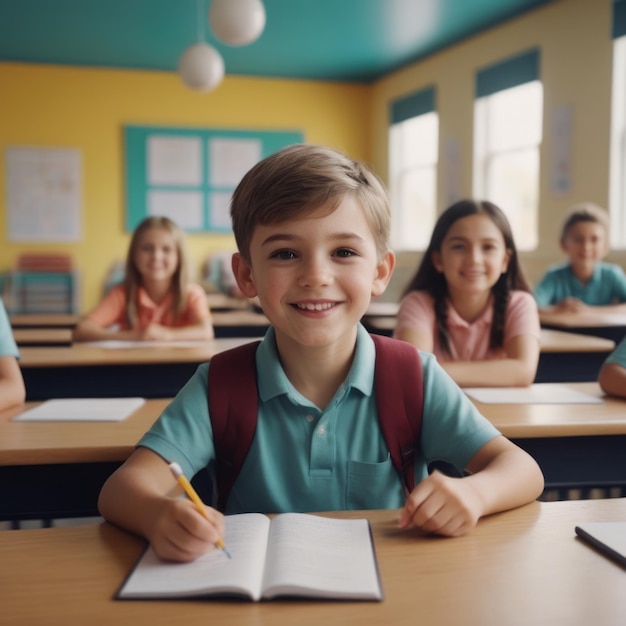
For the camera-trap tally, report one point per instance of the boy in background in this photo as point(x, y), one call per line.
point(585, 282)
point(312, 229)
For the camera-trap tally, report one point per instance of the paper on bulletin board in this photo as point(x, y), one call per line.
point(230, 159)
point(43, 194)
point(184, 208)
point(174, 161)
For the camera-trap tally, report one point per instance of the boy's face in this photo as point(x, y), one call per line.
point(585, 243)
point(315, 276)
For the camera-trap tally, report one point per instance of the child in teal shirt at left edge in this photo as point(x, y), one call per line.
point(12, 391)
point(612, 376)
point(312, 229)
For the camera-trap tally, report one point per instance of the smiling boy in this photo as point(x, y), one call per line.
point(312, 228)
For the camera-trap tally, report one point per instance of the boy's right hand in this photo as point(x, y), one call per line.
point(181, 533)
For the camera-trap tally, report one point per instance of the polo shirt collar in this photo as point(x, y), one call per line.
point(486, 317)
point(272, 380)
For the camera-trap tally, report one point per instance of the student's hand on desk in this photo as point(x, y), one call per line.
point(181, 533)
point(571, 305)
point(442, 505)
point(156, 332)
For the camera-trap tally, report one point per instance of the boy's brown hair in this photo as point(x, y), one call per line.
point(300, 179)
point(585, 212)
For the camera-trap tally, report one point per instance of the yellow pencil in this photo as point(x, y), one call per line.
point(195, 498)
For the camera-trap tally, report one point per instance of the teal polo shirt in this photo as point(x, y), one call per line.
point(303, 458)
point(619, 354)
point(8, 347)
point(606, 286)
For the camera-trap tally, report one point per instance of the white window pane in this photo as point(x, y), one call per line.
point(419, 140)
point(512, 184)
point(515, 117)
point(617, 190)
point(418, 196)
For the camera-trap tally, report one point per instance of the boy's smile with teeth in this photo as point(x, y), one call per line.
point(314, 306)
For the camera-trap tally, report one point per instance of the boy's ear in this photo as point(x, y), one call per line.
point(384, 270)
point(243, 275)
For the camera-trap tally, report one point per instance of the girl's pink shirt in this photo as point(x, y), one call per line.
point(469, 342)
point(111, 309)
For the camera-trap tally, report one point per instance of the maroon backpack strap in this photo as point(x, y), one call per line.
point(233, 408)
point(399, 388)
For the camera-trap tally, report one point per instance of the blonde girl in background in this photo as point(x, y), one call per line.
point(155, 302)
point(469, 302)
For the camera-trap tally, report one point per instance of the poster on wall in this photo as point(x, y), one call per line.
point(43, 194)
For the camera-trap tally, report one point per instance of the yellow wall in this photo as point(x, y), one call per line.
point(87, 108)
point(574, 37)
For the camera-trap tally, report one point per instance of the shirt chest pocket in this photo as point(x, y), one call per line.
point(373, 486)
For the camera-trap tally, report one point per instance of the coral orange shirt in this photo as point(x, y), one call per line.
point(112, 309)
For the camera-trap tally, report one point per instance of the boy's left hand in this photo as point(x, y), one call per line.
point(156, 332)
point(442, 505)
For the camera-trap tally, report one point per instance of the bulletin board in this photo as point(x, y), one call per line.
point(189, 174)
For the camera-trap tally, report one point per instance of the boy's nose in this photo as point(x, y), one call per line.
point(315, 272)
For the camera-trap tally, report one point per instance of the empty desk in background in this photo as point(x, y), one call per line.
point(91, 370)
point(43, 337)
point(607, 325)
point(44, 320)
point(576, 445)
point(571, 357)
point(56, 469)
point(518, 567)
point(239, 323)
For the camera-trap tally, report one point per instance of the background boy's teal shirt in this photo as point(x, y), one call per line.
point(8, 346)
point(306, 459)
point(607, 286)
point(619, 354)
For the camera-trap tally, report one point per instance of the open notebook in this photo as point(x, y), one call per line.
point(608, 537)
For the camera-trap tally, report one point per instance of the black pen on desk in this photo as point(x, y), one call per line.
point(195, 498)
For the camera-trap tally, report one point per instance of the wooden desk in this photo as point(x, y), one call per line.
point(239, 324)
point(44, 320)
point(576, 445)
point(519, 567)
point(56, 469)
point(42, 337)
point(90, 370)
point(382, 309)
point(608, 325)
point(221, 302)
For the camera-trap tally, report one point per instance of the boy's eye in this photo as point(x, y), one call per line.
point(345, 253)
point(283, 254)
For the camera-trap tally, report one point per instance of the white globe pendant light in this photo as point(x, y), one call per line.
point(201, 67)
point(237, 22)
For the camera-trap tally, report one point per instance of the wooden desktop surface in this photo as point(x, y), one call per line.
point(43, 336)
point(82, 354)
point(44, 320)
point(48, 443)
point(592, 319)
point(520, 567)
point(559, 420)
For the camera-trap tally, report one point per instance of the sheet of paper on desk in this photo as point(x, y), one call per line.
point(81, 410)
point(115, 344)
point(539, 393)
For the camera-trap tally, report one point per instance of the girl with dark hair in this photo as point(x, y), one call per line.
point(470, 303)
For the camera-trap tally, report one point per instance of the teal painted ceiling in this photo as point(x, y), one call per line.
point(339, 40)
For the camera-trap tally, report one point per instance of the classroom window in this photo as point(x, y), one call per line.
point(413, 155)
point(508, 116)
point(617, 174)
